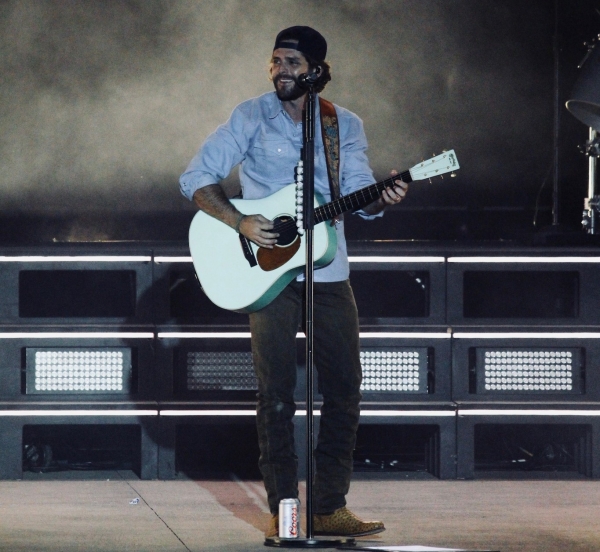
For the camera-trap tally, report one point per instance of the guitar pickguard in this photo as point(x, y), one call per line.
point(270, 259)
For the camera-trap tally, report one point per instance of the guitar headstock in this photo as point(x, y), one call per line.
point(436, 166)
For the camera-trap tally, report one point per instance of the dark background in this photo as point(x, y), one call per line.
point(103, 104)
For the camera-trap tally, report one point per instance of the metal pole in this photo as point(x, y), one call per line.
point(590, 207)
point(309, 174)
point(556, 175)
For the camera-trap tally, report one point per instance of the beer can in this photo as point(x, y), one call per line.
point(289, 518)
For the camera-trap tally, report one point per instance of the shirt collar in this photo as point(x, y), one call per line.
point(276, 108)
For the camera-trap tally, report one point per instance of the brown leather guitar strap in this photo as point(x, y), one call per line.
point(331, 142)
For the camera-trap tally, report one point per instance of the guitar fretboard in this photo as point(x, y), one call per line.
point(358, 199)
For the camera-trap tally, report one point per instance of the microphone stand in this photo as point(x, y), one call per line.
point(308, 154)
point(308, 158)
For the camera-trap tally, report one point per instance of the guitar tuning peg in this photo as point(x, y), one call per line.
point(452, 174)
point(430, 182)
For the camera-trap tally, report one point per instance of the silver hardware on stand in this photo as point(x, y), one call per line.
point(591, 206)
point(585, 105)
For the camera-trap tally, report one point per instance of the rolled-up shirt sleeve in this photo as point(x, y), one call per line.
point(220, 153)
point(356, 172)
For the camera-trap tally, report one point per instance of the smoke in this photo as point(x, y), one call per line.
point(103, 103)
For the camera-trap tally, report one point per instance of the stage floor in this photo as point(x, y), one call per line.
point(95, 513)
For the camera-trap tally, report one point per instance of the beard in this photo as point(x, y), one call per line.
point(287, 93)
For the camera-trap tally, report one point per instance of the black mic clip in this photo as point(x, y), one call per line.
point(306, 80)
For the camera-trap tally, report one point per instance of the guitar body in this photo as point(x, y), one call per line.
point(226, 275)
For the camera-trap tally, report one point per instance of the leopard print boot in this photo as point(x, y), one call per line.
point(344, 523)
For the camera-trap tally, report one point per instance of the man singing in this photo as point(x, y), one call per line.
point(264, 136)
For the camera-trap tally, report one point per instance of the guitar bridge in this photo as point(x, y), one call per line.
point(247, 250)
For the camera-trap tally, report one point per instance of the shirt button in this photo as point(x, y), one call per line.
point(279, 150)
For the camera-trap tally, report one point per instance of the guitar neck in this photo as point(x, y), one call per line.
point(357, 200)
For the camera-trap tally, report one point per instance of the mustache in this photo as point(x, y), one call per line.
point(277, 78)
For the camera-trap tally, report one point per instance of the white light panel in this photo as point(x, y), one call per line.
point(402, 260)
point(58, 413)
point(527, 412)
point(172, 259)
point(76, 259)
point(103, 370)
point(77, 335)
point(394, 370)
point(528, 371)
point(523, 260)
point(217, 370)
point(300, 335)
point(299, 412)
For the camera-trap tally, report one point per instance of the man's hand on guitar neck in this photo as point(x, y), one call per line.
point(394, 195)
point(389, 196)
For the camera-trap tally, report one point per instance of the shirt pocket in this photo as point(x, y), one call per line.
point(271, 149)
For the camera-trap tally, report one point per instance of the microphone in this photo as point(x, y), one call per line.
point(308, 79)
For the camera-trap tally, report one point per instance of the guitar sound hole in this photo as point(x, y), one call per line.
point(286, 227)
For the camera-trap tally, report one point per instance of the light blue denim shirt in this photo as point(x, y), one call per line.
point(262, 138)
